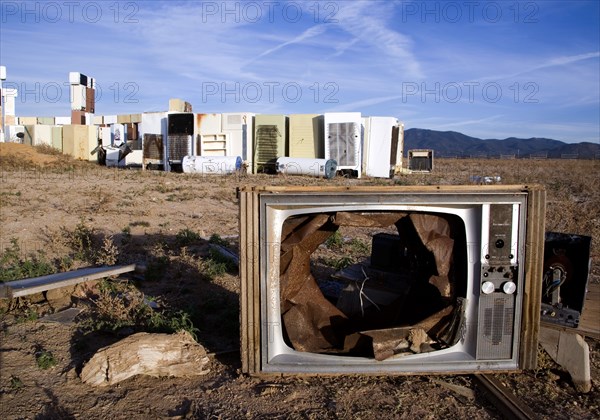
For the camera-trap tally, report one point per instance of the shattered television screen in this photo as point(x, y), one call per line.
point(390, 280)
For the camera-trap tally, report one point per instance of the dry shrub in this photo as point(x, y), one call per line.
point(116, 306)
point(88, 246)
point(108, 253)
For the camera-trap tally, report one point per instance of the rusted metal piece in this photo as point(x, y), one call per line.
point(312, 322)
point(389, 342)
point(504, 400)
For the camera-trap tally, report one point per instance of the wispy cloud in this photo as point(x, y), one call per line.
point(370, 25)
point(311, 32)
point(560, 61)
point(348, 56)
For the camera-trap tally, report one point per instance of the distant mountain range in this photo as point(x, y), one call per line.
point(453, 144)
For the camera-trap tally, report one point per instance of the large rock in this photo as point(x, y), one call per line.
point(156, 355)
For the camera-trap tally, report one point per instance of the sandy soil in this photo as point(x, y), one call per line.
point(143, 212)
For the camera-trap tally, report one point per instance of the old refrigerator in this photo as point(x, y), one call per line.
point(239, 128)
point(343, 140)
point(79, 141)
point(180, 132)
point(306, 136)
point(209, 138)
point(153, 132)
point(380, 146)
point(270, 141)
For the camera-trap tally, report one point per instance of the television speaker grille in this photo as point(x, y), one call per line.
point(495, 332)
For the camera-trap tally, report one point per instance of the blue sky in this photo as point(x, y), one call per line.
point(487, 69)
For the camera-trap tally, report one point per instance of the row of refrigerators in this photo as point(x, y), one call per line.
point(371, 146)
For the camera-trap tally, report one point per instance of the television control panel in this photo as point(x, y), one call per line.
point(498, 285)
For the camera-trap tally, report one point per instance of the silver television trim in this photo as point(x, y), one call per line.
point(517, 212)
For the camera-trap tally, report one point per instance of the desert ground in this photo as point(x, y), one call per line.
point(57, 214)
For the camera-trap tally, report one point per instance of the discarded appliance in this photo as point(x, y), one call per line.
point(306, 136)
point(45, 121)
point(211, 165)
point(382, 146)
point(82, 91)
point(179, 105)
point(343, 141)
point(239, 127)
point(478, 179)
point(208, 123)
point(270, 141)
point(210, 141)
point(80, 141)
point(135, 158)
point(453, 285)
point(78, 97)
point(180, 132)
point(105, 136)
point(57, 137)
point(62, 120)
point(27, 120)
point(124, 119)
point(38, 134)
point(420, 160)
point(212, 144)
point(117, 134)
point(111, 119)
point(153, 131)
point(8, 96)
point(325, 168)
point(13, 133)
point(115, 155)
point(566, 273)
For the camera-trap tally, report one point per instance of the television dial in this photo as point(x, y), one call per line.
point(488, 287)
point(509, 287)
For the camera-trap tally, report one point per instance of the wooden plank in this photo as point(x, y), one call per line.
point(19, 288)
point(255, 292)
point(589, 323)
point(244, 327)
point(390, 189)
point(530, 323)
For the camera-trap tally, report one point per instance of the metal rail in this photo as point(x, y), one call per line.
point(505, 401)
point(19, 288)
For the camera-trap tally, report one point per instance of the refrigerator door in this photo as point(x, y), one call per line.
point(343, 140)
point(306, 136)
point(270, 140)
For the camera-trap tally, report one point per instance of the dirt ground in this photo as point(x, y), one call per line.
point(144, 214)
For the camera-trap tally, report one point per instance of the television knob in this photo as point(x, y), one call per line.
point(488, 287)
point(509, 287)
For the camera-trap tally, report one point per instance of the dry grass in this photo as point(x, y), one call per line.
point(91, 212)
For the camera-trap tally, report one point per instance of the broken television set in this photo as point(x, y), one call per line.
point(423, 280)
